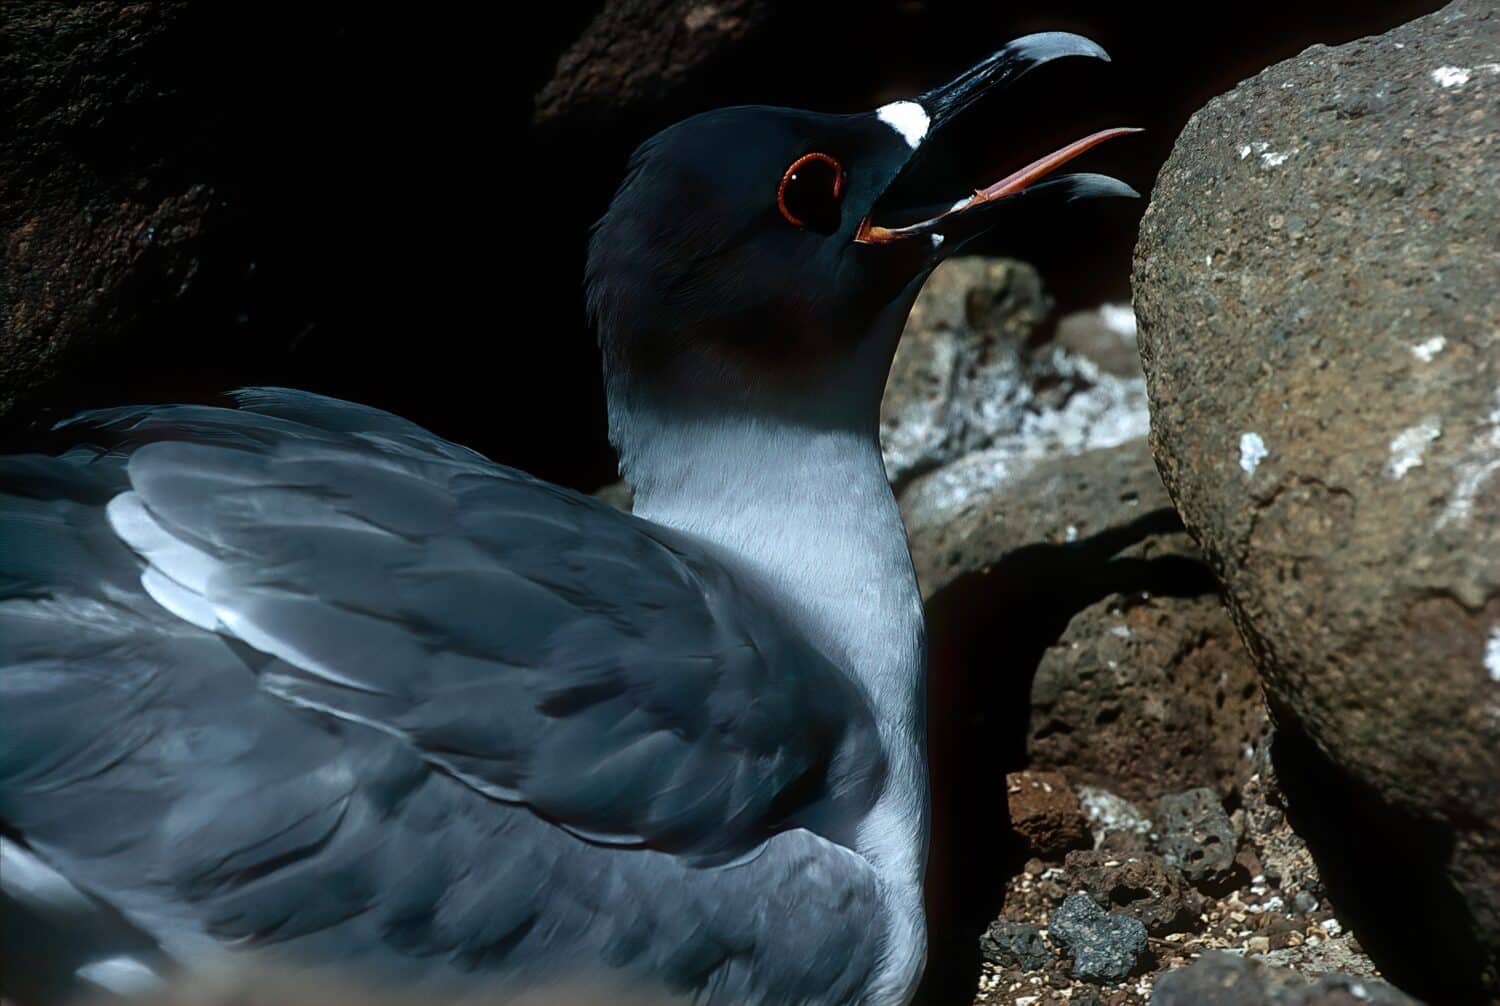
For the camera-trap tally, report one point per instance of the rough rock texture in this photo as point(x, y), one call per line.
point(1103, 945)
point(1195, 835)
point(1044, 811)
point(1015, 944)
point(1116, 824)
point(637, 51)
point(975, 373)
point(1284, 857)
point(957, 378)
point(1154, 694)
point(1139, 885)
point(973, 514)
point(1315, 282)
point(1105, 335)
point(82, 262)
point(1220, 979)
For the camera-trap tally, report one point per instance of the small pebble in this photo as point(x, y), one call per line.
point(1196, 836)
point(1015, 944)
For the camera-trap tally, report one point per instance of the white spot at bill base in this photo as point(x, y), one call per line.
point(1425, 351)
point(907, 118)
point(1492, 654)
point(937, 239)
point(1072, 532)
point(1252, 452)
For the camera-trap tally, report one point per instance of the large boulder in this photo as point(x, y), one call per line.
point(635, 52)
point(1221, 979)
point(1316, 290)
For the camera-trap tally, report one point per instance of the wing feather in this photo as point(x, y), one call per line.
point(552, 651)
point(301, 674)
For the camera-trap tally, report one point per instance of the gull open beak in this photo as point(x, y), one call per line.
point(942, 105)
point(1011, 185)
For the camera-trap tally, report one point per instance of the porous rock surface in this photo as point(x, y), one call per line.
point(1195, 835)
point(1221, 979)
point(1139, 885)
point(1103, 945)
point(1015, 944)
point(1315, 285)
point(1045, 812)
point(1148, 693)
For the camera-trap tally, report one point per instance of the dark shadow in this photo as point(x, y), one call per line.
point(987, 632)
point(1384, 873)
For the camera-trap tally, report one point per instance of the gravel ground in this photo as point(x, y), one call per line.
point(1271, 907)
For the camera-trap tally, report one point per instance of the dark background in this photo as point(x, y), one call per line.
point(390, 203)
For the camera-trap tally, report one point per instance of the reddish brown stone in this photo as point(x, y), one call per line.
point(1140, 886)
point(1044, 810)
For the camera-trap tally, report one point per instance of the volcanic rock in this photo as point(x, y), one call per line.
point(1116, 824)
point(1139, 885)
point(1315, 285)
point(1196, 836)
point(975, 378)
point(1104, 946)
point(1145, 695)
point(1105, 335)
point(1015, 944)
point(638, 51)
point(959, 376)
point(976, 513)
point(1220, 979)
point(1044, 810)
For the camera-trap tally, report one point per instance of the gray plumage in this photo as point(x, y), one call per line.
point(437, 719)
point(301, 681)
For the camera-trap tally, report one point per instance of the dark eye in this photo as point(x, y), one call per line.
point(809, 193)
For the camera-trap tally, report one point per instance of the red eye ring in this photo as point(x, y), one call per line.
point(838, 183)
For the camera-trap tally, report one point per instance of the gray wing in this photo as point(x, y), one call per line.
point(358, 693)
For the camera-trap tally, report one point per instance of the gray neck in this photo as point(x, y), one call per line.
point(810, 514)
point(805, 509)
